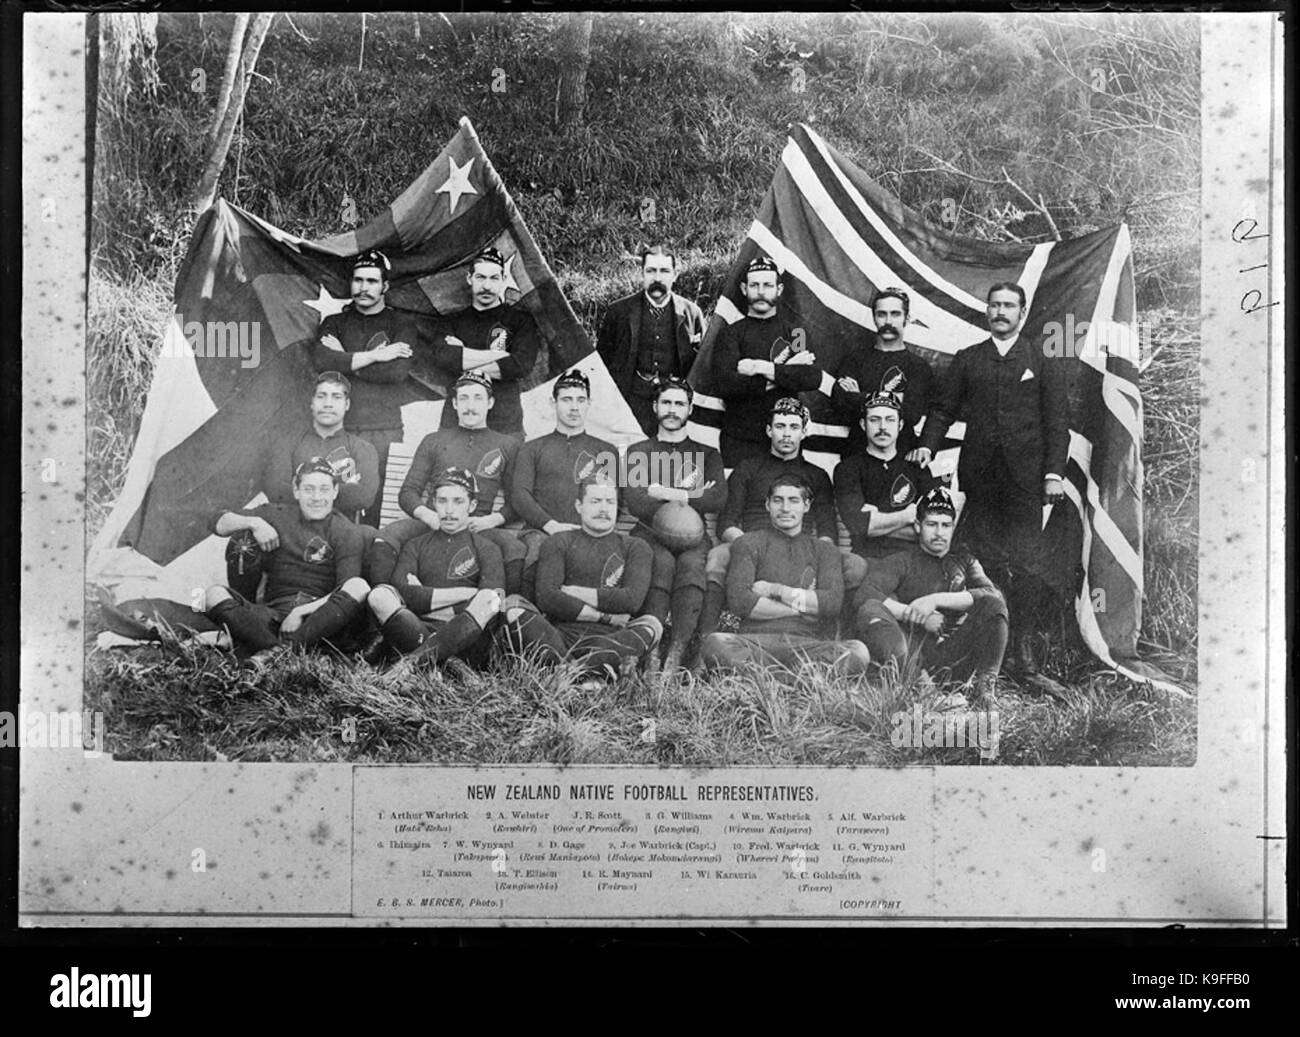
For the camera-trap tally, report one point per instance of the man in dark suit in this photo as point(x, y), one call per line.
point(1013, 399)
point(650, 334)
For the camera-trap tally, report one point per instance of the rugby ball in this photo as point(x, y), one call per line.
point(678, 526)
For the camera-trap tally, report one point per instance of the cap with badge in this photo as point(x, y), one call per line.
point(936, 501)
point(473, 378)
point(313, 466)
point(373, 257)
point(572, 379)
point(663, 383)
point(789, 405)
point(881, 399)
point(763, 265)
point(455, 476)
point(489, 255)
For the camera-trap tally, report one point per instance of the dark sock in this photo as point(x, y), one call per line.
point(328, 620)
point(245, 629)
point(514, 576)
point(714, 598)
point(656, 604)
point(688, 603)
point(381, 560)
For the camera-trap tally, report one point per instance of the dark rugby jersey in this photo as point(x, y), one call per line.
point(912, 573)
point(501, 327)
point(618, 566)
point(440, 560)
point(376, 403)
point(314, 557)
point(747, 488)
point(899, 371)
point(686, 465)
point(547, 472)
point(886, 485)
point(489, 454)
point(796, 561)
point(353, 459)
point(748, 399)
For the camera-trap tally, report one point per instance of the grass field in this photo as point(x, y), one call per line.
point(181, 702)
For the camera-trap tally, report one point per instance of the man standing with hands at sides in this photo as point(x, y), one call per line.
point(371, 342)
point(549, 469)
point(885, 365)
point(448, 584)
point(786, 586)
point(672, 467)
point(759, 359)
point(490, 338)
point(591, 583)
point(650, 335)
point(471, 445)
point(1014, 400)
point(912, 600)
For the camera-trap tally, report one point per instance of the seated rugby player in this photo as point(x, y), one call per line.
point(787, 587)
point(876, 489)
point(353, 459)
point(448, 583)
point(472, 445)
point(312, 558)
point(549, 469)
point(672, 467)
point(930, 602)
point(591, 585)
point(746, 509)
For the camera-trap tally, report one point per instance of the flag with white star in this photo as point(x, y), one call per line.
point(234, 373)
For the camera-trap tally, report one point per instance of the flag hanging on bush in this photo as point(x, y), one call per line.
point(233, 371)
point(837, 236)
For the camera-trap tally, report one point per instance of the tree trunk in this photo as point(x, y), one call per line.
point(128, 45)
point(206, 192)
point(573, 47)
point(228, 76)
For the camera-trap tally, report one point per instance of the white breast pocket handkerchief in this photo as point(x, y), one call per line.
point(1027, 375)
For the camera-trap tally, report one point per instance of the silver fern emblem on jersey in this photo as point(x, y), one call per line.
point(613, 573)
point(462, 565)
point(491, 463)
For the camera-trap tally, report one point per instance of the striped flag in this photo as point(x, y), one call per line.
point(233, 371)
point(837, 236)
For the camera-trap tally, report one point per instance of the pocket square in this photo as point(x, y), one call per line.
point(1027, 375)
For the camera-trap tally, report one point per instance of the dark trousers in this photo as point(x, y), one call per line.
point(734, 450)
point(595, 645)
point(258, 625)
point(976, 645)
point(676, 586)
point(1002, 526)
point(381, 439)
point(643, 409)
